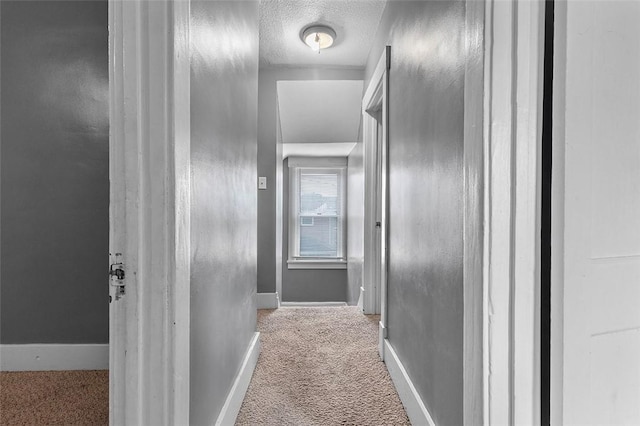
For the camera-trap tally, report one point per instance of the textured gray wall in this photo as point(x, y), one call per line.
point(308, 285)
point(267, 211)
point(355, 221)
point(426, 135)
point(224, 91)
point(55, 172)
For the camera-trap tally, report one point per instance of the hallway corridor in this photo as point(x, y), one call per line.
point(320, 366)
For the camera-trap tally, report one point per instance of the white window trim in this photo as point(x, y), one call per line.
point(297, 262)
point(316, 264)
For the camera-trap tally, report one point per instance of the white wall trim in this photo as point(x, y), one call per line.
point(514, 36)
point(316, 264)
point(267, 300)
point(311, 304)
point(297, 166)
point(361, 299)
point(232, 405)
point(47, 356)
point(413, 405)
point(279, 186)
point(382, 337)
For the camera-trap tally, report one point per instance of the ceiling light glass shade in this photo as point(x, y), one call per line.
point(318, 37)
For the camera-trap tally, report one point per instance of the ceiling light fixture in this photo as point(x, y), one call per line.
point(318, 37)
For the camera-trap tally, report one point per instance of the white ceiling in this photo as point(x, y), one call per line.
point(281, 21)
point(319, 111)
point(317, 149)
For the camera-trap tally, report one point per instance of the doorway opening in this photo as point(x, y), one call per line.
point(375, 135)
point(318, 124)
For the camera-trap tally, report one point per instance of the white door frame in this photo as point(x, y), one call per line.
point(149, 168)
point(514, 43)
point(557, 212)
point(376, 98)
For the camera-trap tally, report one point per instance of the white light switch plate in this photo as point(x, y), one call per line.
point(262, 182)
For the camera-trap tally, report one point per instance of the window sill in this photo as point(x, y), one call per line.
point(316, 264)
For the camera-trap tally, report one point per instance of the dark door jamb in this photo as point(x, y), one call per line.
point(545, 255)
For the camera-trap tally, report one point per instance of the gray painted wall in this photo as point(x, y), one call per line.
point(308, 285)
point(426, 135)
point(269, 264)
point(55, 172)
point(355, 221)
point(224, 90)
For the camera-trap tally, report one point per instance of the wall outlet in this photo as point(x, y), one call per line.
point(262, 182)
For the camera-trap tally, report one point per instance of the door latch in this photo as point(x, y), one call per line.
point(117, 270)
point(116, 275)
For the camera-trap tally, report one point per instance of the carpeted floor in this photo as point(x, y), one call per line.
point(320, 366)
point(317, 366)
point(54, 398)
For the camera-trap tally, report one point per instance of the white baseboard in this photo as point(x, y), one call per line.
point(232, 405)
point(267, 300)
point(413, 405)
point(45, 357)
point(311, 304)
point(382, 337)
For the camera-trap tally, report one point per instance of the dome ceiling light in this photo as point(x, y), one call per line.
point(318, 37)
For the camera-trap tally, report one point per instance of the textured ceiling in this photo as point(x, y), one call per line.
point(355, 22)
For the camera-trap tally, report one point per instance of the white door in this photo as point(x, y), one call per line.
point(596, 355)
point(149, 173)
point(375, 107)
point(374, 213)
point(374, 119)
point(122, 232)
point(380, 243)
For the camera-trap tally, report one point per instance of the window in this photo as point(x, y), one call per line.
point(317, 189)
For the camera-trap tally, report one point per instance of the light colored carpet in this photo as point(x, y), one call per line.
point(54, 398)
point(320, 366)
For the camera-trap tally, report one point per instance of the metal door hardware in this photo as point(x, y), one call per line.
point(116, 275)
point(117, 270)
